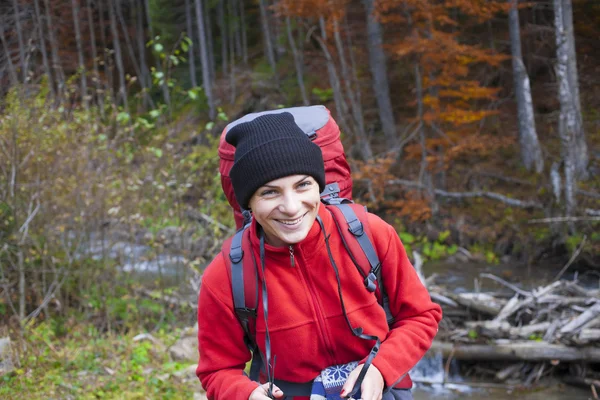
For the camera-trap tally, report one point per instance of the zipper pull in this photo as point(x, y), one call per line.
point(292, 256)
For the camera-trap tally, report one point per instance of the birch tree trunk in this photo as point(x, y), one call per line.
point(164, 87)
point(118, 56)
point(232, 87)
point(298, 62)
point(206, 81)
point(244, 34)
point(224, 36)
point(190, 33)
point(108, 70)
point(80, 58)
point(364, 147)
point(11, 66)
point(351, 92)
point(269, 48)
point(96, 78)
point(377, 64)
point(531, 153)
point(582, 159)
point(568, 120)
point(134, 61)
point(141, 43)
point(56, 65)
point(22, 60)
point(209, 41)
point(42, 41)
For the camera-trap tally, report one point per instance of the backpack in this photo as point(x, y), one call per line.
point(350, 220)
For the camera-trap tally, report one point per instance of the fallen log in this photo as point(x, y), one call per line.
point(503, 329)
point(581, 320)
point(517, 351)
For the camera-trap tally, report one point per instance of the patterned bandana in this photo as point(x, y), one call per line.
point(329, 383)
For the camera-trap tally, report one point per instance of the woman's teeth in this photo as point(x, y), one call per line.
point(291, 222)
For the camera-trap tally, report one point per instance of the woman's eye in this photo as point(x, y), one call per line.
point(305, 184)
point(268, 192)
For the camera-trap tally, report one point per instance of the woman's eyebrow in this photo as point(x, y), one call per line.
point(303, 179)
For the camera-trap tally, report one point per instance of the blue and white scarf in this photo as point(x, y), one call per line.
point(329, 383)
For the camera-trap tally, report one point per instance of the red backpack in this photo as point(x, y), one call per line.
point(350, 219)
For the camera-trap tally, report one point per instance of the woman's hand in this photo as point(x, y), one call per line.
point(260, 393)
point(372, 384)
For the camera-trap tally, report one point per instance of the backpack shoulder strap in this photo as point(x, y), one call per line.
point(244, 287)
point(355, 236)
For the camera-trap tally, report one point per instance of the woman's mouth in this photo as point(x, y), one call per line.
point(291, 222)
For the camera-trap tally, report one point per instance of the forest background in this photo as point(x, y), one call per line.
point(473, 126)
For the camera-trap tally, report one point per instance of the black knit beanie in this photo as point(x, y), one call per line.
point(270, 147)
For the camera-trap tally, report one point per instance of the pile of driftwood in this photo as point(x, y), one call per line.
point(519, 335)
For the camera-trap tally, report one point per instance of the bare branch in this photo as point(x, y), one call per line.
point(573, 257)
point(458, 195)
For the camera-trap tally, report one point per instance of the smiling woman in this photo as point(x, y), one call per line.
point(304, 325)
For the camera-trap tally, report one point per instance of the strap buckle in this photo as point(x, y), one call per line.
point(356, 228)
point(371, 282)
point(245, 313)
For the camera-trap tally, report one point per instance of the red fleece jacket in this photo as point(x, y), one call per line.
point(306, 324)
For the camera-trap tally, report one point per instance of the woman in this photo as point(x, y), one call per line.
point(315, 294)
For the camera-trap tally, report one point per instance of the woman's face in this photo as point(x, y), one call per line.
point(286, 208)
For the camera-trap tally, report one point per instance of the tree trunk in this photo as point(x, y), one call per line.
point(568, 119)
point(298, 62)
point(209, 41)
point(206, 82)
point(235, 32)
point(531, 153)
point(42, 36)
point(363, 144)
point(269, 50)
point(232, 88)
point(118, 57)
point(425, 177)
point(108, 70)
point(22, 59)
point(244, 34)
point(80, 59)
point(96, 79)
point(60, 76)
point(377, 64)
point(582, 159)
point(14, 80)
point(190, 33)
point(136, 66)
point(351, 92)
point(164, 87)
point(224, 36)
point(141, 44)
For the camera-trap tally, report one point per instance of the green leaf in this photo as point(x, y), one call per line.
point(158, 47)
point(473, 334)
point(406, 237)
point(192, 94)
point(102, 137)
point(209, 125)
point(222, 116)
point(155, 113)
point(123, 117)
point(184, 46)
point(444, 235)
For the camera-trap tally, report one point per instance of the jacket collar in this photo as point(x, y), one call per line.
point(307, 248)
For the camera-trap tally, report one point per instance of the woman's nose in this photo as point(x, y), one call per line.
point(290, 204)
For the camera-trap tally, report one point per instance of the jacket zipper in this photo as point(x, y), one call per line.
point(320, 318)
